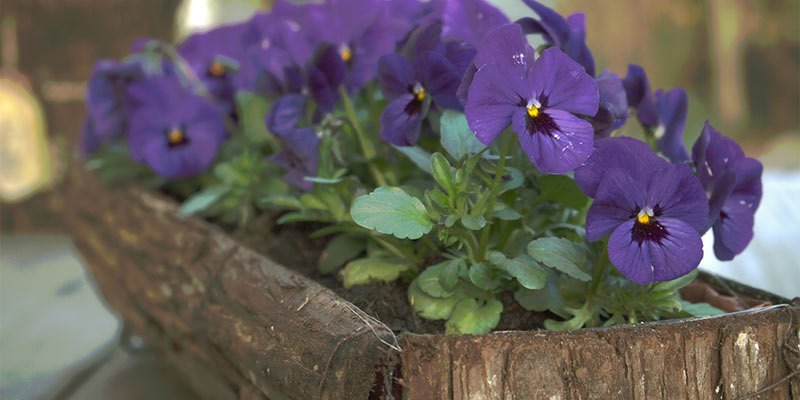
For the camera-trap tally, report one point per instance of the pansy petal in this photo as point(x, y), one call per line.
point(559, 82)
point(327, 60)
point(471, 20)
point(733, 231)
point(630, 258)
point(557, 27)
point(506, 45)
point(494, 96)
point(439, 77)
point(628, 153)
point(748, 183)
point(401, 121)
point(677, 254)
point(575, 46)
point(559, 151)
point(532, 26)
point(396, 75)
point(637, 90)
point(616, 198)
point(424, 39)
point(613, 109)
point(672, 110)
point(461, 54)
point(286, 112)
point(463, 88)
point(718, 194)
point(323, 93)
point(679, 194)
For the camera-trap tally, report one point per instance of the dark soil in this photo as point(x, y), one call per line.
point(290, 246)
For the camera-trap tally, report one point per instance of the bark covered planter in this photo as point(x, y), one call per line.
point(238, 325)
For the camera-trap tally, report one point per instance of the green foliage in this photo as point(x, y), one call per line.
point(369, 270)
point(392, 211)
point(457, 138)
point(340, 250)
point(473, 318)
point(562, 254)
point(561, 189)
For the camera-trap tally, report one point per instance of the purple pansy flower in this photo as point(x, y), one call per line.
point(654, 213)
point(175, 132)
point(422, 77)
point(215, 56)
point(567, 34)
point(362, 31)
point(638, 159)
point(733, 185)
point(613, 111)
point(108, 112)
point(300, 153)
point(538, 99)
point(471, 20)
point(663, 112)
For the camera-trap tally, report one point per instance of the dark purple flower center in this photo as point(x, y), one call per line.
point(415, 105)
point(537, 120)
point(646, 226)
point(176, 137)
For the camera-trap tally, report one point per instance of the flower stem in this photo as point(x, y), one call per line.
point(505, 144)
point(367, 148)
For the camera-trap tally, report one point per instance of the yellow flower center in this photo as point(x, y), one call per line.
point(534, 108)
point(216, 69)
point(345, 52)
point(644, 216)
point(175, 135)
point(419, 92)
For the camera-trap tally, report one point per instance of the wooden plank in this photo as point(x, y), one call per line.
point(726, 356)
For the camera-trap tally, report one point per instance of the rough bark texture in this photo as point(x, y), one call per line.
point(724, 357)
point(239, 326)
point(236, 324)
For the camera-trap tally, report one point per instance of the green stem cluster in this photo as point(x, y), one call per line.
point(367, 149)
point(505, 145)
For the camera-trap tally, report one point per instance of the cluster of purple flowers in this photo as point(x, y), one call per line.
point(445, 54)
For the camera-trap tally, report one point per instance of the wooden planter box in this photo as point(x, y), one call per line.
point(238, 325)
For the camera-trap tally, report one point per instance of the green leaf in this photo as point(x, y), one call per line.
point(440, 168)
point(457, 138)
point(675, 284)
point(526, 271)
point(418, 156)
point(561, 254)
point(338, 251)
point(699, 309)
point(517, 179)
point(548, 298)
point(471, 318)
point(326, 181)
point(391, 211)
point(252, 109)
point(561, 189)
point(479, 275)
point(473, 222)
point(429, 281)
point(283, 200)
point(430, 307)
point(308, 200)
point(580, 317)
point(369, 270)
point(448, 278)
point(230, 175)
point(507, 214)
point(202, 200)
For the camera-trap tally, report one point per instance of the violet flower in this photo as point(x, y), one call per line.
point(663, 112)
point(733, 184)
point(214, 56)
point(537, 99)
point(423, 78)
point(175, 132)
point(300, 153)
point(654, 214)
point(108, 112)
point(613, 110)
point(568, 34)
point(362, 31)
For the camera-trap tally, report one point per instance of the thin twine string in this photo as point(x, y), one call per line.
point(371, 321)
